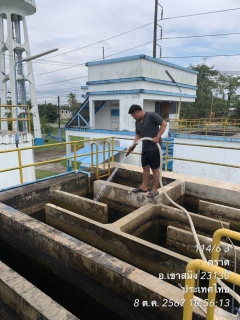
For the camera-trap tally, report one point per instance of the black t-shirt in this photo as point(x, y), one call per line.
point(149, 128)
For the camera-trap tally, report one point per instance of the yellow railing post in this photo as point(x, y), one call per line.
point(75, 154)
point(104, 155)
point(166, 156)
point(104, 150)
point(215, 256)
point(216, 272)
point(92, 158)
point(29, 120)
point(20, 165)
point(112, 149)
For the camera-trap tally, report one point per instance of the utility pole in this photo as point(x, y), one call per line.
point(155, 30)
point(59, 118)
point(156, 25)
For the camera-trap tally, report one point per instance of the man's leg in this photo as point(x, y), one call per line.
point(156, 176)
point(146, 176)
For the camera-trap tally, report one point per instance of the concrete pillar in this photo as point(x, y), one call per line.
point(3, 77)
point(30, 78)
point(92, 113)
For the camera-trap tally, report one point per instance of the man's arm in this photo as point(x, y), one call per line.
point(160, 132)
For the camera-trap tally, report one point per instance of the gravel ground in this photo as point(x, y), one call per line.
point(50, 154)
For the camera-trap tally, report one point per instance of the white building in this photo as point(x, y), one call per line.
point(114, 85)
point(65, 114)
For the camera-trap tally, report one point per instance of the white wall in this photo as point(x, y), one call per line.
point(156, 70)
point(207, 154)
point(141, 67)
point(126, 121)
point(10, 160)
point(103, 117)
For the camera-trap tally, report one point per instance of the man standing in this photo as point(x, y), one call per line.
point(147, 125)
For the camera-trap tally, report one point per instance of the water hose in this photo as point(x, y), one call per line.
point(231, 292)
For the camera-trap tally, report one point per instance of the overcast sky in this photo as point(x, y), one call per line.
point(77, 26)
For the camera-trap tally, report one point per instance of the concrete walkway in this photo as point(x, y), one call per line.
point(50, 154)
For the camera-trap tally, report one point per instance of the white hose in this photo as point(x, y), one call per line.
point(231, 292)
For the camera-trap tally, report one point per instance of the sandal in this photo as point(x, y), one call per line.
point(138, 190)
point(152, 194)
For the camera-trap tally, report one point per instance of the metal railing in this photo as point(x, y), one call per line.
point(75, 155)
point(9, 109)
point(169, 158)
point(206, 126)
point(215, 272)
point(110, 150)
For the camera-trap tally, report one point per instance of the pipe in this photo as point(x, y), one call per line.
point(217, 271)
point(214, 257)
point(35, 181)
point(89, 177)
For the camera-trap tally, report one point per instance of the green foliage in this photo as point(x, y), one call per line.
point(48, 111)
point(206, 82)
point(72, 100)
point(216, 93)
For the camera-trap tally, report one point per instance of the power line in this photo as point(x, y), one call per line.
point(205, 56)
point(165, 38)
point(73, 18)
point(202, 36)
point(89, 45)
point(77, 65)
point(60, 81)
point(199, 14)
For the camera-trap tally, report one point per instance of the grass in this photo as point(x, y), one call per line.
point(54, 133)
point(40, 174)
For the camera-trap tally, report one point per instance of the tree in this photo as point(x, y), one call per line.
point(72, 100)
point(206, 82)
point(227, 86)
point(48, 111)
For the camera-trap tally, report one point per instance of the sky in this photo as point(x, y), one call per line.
point(193, 32)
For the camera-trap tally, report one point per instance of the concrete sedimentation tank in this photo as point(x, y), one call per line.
point(66, 256)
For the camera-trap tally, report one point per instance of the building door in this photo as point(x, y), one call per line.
point(163, 109)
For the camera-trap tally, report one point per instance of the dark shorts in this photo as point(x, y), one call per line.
point(151, 158)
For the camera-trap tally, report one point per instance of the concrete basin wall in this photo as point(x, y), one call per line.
point(142, 254)
point(33, 197)
point(86, 207)
point(19, 298)
point(70, 258)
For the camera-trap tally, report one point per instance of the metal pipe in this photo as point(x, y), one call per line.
point(109, 145)
point(214, 257)
point(89, 178)
point(92, 159)
point(39, 180)
point(20, 165)
point(75, 154)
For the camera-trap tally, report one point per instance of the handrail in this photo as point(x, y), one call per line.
point(216, 272)
point(214, 258)
point(12, 119)
point(205, 124)
point(92, 161)
point(167, 157)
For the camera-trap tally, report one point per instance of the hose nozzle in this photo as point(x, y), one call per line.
point(131, 149)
